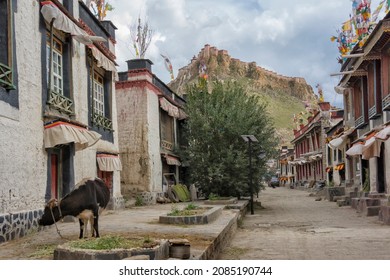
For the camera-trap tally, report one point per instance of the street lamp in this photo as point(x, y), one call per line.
point(250, 139)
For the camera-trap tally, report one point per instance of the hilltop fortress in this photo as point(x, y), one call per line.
point(219, 64)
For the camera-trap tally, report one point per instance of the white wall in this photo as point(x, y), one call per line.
point(154, 143)
point(23, 161)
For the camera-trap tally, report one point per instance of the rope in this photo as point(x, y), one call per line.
point(54, 220)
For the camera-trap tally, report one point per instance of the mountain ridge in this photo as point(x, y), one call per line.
point(284, 95)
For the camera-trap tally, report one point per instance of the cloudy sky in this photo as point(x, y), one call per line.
point(291, 38)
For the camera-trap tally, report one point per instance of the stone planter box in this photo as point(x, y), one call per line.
point(229, 200)
point(210, 215)
point(331, 192)
point(65, 252)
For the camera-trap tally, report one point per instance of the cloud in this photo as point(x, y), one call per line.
point(288, 37)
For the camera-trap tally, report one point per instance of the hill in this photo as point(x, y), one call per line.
point(285, 96)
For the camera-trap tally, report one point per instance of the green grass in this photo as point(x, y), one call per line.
point(42, 252)
point(189, 210)
point(112, 242)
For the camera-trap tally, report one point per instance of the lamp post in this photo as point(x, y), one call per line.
point(250, 139)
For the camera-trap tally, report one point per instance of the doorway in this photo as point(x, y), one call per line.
point(381, 170)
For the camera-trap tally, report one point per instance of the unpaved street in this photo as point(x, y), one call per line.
point(293, 226)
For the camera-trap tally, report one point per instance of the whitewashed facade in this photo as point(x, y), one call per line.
point(149, 117)
point(39, 160)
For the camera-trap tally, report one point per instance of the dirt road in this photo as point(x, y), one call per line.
point(293, 226)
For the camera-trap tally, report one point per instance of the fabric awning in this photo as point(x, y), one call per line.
point(104, 62)
point(172, 160)
point(50, 11)
point(383, 134)
point(356, 149)
point(372, 148)
point(182, 114)
point(368, 147)
point(171, 109)
point(337, 142)
point(108, 162)
point(59, 133)
point(315, 157)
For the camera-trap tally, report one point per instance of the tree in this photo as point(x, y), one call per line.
point(216, 154)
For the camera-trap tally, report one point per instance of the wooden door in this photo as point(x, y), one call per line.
point(107, 177)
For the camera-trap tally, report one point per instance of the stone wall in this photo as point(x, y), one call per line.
point(16, 225)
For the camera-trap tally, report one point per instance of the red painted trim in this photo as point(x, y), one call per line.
point(138, 72)
point(138, 84)
point(62, 123)
point(107, 155)
point(46, 3)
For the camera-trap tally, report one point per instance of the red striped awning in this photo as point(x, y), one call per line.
point(59, 133)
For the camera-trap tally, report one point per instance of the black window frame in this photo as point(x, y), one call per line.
point(8, 86)
point(106, 132)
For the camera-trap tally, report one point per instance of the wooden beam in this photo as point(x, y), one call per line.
point(342, 73)
point(352, 55)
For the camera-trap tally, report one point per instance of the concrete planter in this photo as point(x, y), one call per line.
point(228, 200)
point(205, 218)
point(65, 252)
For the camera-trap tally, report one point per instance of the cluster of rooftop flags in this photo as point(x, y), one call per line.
point(357, 28)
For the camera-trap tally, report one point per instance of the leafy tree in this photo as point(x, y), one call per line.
point(216, 154)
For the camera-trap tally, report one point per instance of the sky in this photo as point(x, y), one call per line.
point(291, 38)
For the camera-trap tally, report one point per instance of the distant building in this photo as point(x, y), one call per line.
point(309, 145)
point(286, 169)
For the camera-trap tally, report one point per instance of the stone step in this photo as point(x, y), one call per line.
point(338, 197)
point(384, 214)
point(331, 192)
point(369, 206)
point(342, 202)
point(376, 195)
point(372, 211)
point(352, 194)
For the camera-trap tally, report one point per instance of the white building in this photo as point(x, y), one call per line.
point(57, 107)
point(149, 120)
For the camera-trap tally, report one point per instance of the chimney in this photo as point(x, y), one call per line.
point(139, 63)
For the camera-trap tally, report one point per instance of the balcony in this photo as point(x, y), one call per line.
point(6, 77)
point(359, 122)
point(386, 102)
point(372, 112)
point(101, 121)
point(60, 102)
point(165, 145)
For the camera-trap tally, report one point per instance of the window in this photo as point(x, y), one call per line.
point(6, 45)
point(374, 89)
point(99, 99)
point(58, 73)
point(339, 155)
point(167, 133)
point(57, 66)
point(98, 94)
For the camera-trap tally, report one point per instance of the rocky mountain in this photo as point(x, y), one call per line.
point(285, 96)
